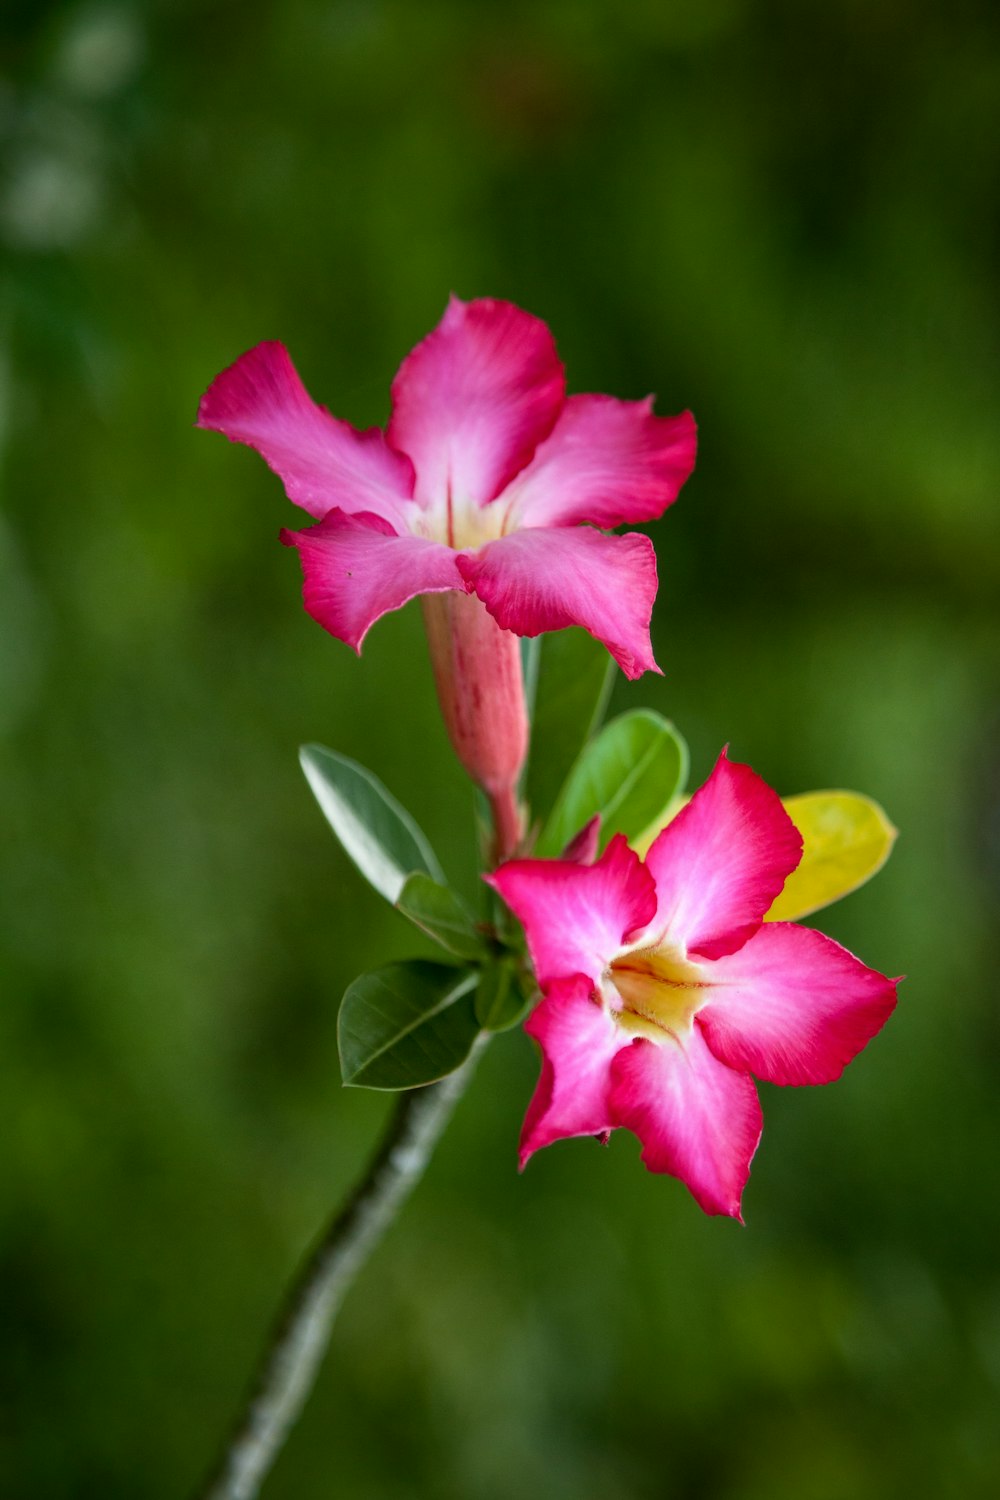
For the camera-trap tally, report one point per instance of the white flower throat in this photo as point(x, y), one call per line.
point(462, 524)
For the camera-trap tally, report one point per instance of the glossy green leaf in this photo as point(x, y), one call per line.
point(376, 832)
point(629, 774)
point(500, 997)
point(571, 681)
point(846, 838)
point(437, 910)
point(406, 1024)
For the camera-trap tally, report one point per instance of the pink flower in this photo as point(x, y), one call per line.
point(479, 484)
point(664, 989)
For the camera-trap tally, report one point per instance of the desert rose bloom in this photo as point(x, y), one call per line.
point(479, 484)
point(490, 487)
point(664, 989)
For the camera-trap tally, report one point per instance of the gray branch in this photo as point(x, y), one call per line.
point(294, 1352)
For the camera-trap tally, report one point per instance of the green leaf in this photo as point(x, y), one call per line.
point(500, 998)
point(648, 837)
point(441, 913)
point(571, 684)
point(846, 838)
point(531, 651)
point(376, 832)
point(406, 1024)
point(629, 774)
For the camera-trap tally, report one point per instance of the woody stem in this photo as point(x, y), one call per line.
point(292, 1357)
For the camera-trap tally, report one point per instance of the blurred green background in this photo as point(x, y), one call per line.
point(782, 215)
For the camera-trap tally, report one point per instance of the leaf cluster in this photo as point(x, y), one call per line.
point(410, 1023)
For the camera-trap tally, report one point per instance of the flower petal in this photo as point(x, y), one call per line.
point(697, 1119)
point(793, 1006)
point(537, 580)
point(355, 569)
point(474, 400)
point(576, 917)
point(578, 1039)
point(323, 461)
point(606, 461)
point(720, 863)
point(583, 847)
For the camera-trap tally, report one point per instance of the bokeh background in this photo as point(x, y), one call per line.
point(782, 215)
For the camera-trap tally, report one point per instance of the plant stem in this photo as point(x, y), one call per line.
point(292, 1358)
point(508, 823)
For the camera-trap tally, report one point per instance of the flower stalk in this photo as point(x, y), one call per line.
point(301, 1334)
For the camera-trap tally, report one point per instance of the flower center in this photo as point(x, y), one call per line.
point(659, 992)
point(462, 524)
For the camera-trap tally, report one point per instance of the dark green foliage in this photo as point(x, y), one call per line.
point(439, 912)
point(406, 1025)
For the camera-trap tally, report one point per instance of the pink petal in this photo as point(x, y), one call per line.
point(583, 846)
point(576, 917)
point(474, 400)
point(792, 1006)
point(324, 462)
point(539, 580)
point(356, 569)
point(721, 862)
point(696, 1118)
point(578, 1039)
point(605, 461)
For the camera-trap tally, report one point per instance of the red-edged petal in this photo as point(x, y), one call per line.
point(576, 917)
point(582, 848)
point(720, 863)
point(606, 461)
point(323, 461)
point(578, 1040)
point(539, 580)
point(696, 1118)
point(474, 399)
point(793, 1006)
point(355, 569)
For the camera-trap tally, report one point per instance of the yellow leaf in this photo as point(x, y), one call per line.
point(846, 837)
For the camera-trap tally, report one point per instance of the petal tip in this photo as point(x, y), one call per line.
point(229, 391)
point(523, 1158)
point(633, 667)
